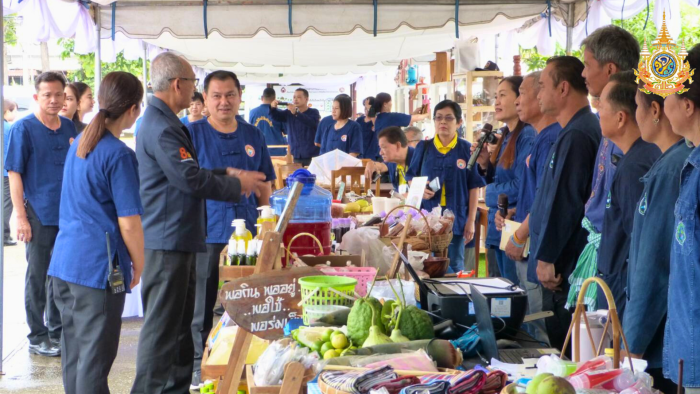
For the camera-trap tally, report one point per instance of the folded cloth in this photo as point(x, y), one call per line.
point(395, 386)
point(495, 382)
point(358, 382)
point(434, 387)
point(468, 382)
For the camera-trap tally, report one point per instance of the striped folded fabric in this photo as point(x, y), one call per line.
point(358, 382)
point(495, 382)
point(434, 387)
point(469, 382)
point(395, 386)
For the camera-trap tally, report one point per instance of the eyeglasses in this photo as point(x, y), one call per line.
point(447, 118)
point(194, 80)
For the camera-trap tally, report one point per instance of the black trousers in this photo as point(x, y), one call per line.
point(557, 325)
point(165, 351)
point(303, 162)
point(6, 208)
point(207, 289)
point(38, 291)
point(92, 322)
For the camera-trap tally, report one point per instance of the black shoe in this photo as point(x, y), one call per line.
point(45, 348)
point(196, 381)
point(10, 242)
point(219, 310)
point(55, 343)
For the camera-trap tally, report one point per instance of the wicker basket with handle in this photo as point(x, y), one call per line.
point(436, 243)
point(613, 318)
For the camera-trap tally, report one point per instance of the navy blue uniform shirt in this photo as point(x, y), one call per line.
point(39, 154)
point(271, 129)
point(532, 172)
point(6, 142)
point(244, 149)
point(602, 181)
point(625, 192)
point(369, 139)
point(452, 171)
point(556, 235)
point(650, 256)
point(173, 185)
point(388, 119)
point(507, 181)
point(393, 168)
point(97, 191)
point(348, 138)
point(301, 130)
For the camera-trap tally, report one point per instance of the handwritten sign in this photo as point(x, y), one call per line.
point(263, 304)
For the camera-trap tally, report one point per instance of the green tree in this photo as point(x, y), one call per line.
point(690, 33)
point(10, 30)
point(86, 73)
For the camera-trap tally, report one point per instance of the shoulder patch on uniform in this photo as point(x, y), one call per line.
point(608, 200)
point(680, 233)
point(551, 162)
point(249, 150)
point(185, 155)
point(461, 164)
point(643, 205)
point(344, 138)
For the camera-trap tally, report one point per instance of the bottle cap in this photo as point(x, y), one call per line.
point(266, 212)
point(239, 224)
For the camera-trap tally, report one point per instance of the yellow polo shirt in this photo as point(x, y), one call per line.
point(444, 150)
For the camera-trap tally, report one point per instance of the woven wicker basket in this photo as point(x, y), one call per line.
point(437, 243)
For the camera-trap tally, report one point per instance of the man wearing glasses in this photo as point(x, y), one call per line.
point(173, 192)
point(414, 135)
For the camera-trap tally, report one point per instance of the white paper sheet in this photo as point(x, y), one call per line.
point(495, 286)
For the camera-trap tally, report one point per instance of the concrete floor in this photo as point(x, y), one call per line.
point(26, 373)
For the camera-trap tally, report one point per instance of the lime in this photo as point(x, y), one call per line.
point(326, 336)
point(330, 354)
point(339, 341)
point(326, 347)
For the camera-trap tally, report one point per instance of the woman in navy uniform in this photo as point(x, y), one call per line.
point(196, 107)
point(223, 140)
point(100, 195)
point(445, 157)
point(644, 320)
point(338, 131)
point(503, 169)
point(682, 336)
point(383, 117)
point(370, 139)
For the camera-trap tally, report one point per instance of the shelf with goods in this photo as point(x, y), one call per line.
point(475, 91)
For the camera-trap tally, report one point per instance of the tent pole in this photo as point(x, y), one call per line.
point(2, 196)
point(570, 28)
point(145, 74)
point(98, 50)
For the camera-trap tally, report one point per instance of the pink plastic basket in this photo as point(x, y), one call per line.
point(363, 275)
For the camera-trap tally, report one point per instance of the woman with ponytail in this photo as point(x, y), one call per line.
point(383, 117)
point(99, 252)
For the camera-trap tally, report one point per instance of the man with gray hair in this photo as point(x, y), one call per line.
point(414, 135)
point(547, 129)
point(608, 50)
point(173, 191)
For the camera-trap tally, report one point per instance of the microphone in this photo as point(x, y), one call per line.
point(503, 204)
point(488, 130)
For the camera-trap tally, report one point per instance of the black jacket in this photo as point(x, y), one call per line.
point(173, 186)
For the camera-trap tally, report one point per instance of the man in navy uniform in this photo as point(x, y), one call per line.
point(271, 129)
point(173, 191)
point(556, 237)
point(302, 123)
point(36, 154)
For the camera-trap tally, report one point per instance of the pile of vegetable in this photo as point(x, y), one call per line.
point(328, 343)
point(369, 321)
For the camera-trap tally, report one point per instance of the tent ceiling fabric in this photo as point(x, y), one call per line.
point(246, 21)
point(312, 50)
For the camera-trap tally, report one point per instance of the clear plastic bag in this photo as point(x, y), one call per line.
point(269, 370)
point(365, 239)
point(382, 289)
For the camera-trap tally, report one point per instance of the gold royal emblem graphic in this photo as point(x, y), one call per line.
point(662, 70)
